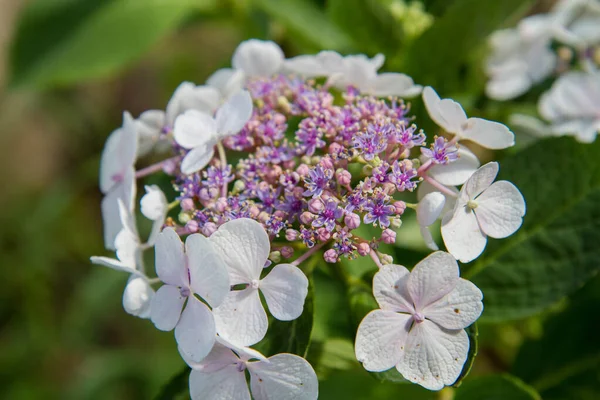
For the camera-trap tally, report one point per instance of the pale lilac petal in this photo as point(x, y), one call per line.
point(125, 191)
point(462, 236)
point(425, 188)
point(430, 208)
point(285, 289)
point(434, 357)
point(283, 377)
point(137, 297)
point(198, 158)
point(220, 356)
point(233, 115)
point(258, 58)
point(195, 332)
point(453, 115)
point(432, 278)
point(500, 210)
point(480, 181)
point(208, 272)
point(489, 134)
point(227, 383)
point(170, 259)
point(241, 318)
point(245, 246)
point(457, 172)
point(381, 339)
point(149, 126)
point(113, 263)
point(243, 352)
point(458, 309)
point(119, 154)
point(389, 289)
point(166, 307)
point(194, 128)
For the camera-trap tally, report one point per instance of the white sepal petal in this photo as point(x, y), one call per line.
point(462, 236)
point(137, 297)
point(489, 134)
point(430, 207)
point(241, 318)
point(208, 273)
point(194, 128)
point(459, 308)
point(195, 332)
point(285, 289)
point(389, 288)
point(258, 58)
point(283, 377)
point(500, 210)
point(197, 158)
point(170, 258)
point(166, 307)
point(233, 115)
point(457, 172)
point(432, 278)
point(227, 383)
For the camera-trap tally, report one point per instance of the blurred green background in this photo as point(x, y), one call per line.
point(68, 68)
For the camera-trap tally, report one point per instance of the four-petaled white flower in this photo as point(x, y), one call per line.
point(252, 58)
point(430, 207)
point(200, 132)
point(199, 270)
point(241, 319)
point(572, 105)
point(420, 326)
point(354, 70)
point(117, 177)
point(222, 375)
point(450, 116)
point(153, 124)
point(483, 208)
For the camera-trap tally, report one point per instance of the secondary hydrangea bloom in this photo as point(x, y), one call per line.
point(199, 270)
point(483, 208)
point(117, 177)
point(222, 375)
point(450, 116)
point(200, 132)
point(419, 329)
point(572, 106)
point(244, 246)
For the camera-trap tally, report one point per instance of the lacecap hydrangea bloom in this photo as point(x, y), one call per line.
point(275, 161)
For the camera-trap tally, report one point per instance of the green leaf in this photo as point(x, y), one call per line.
point(68, 41)
point(306, 20)
point(291, 336)
point(564, 362)
point(556, 250)
point(368, 22)
point(473, 333)
point(496, 387)
point(438, 57)
point(177, 387)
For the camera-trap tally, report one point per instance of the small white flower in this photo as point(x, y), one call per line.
point(199, 132)
point(450, 116)
point(199, 270)
point(154, 206)
point(420, 326)
point(572, 105)
point(138, 293)
point(354, 70)
point(428, 211)
point(483, 209)
point(456, 172)
point(577, 22)
point(117, 177)
point(222, 375)
point(241, 319)
point(153, 124)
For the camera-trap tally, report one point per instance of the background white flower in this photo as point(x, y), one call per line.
point(241, 319)
point(420, 326)
point(117, 177)
point(221, 375)
point(199, 270)
point(483, 208)
point(450, 116)
point(200, 132)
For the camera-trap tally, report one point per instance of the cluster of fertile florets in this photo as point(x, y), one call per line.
point(294, 176)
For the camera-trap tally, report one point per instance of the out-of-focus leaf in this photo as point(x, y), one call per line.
point(473, 333)
point(308, 21)
point(496, 387)
point(177, 387)
point(438, 57)
point(564, 362)
point(556, 250)
point(64, 42)
point(332, 317)
point(368, 22)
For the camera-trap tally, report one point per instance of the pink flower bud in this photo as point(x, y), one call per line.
point(315, 206)
point(279, 214)
point(263, 216)
point(254, 211)
point(388, 236)
point(323, 234)
point(279, 118)
point(302, 170)
point(192, 226)
point(327, 162)
point(286, 251)
point(363, 248)
point(343, 177)
point(209, 228)
point(204, 194)
point(291, 235)
point(221, 204)
point(187, 204)
point(352, 221)
point(334, 148)
point(400, 206)
point(307, 218)
point(330, 256)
